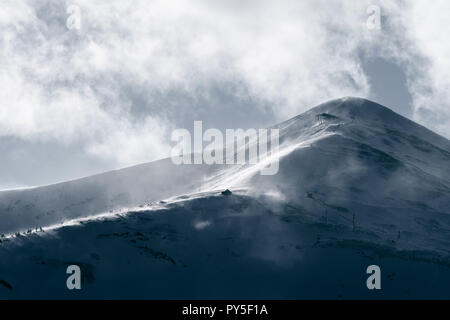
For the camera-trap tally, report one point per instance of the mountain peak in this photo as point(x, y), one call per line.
point(375, 114)
point(347, 109)
point(369, 116)
point(355, 107)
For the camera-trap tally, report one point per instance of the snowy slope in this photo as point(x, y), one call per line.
point(357, 163)
point(358, 185)
point(21, 210)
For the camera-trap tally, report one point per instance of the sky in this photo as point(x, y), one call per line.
point(90, 86)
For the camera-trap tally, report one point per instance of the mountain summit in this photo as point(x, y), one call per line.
point(357, 184)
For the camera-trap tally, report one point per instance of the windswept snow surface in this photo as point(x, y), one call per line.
point(357, 185)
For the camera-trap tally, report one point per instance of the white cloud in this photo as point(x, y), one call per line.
point(427, 27)
point(70, 86)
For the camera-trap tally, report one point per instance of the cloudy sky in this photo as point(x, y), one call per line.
point(88, 86)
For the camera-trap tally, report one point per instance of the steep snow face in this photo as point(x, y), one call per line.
point(356, 146)
point(372, 129)
point(356, 163)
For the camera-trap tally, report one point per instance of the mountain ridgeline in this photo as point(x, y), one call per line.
point(357, 183)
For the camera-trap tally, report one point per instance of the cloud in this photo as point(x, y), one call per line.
point(122, 82)
point(427, 29)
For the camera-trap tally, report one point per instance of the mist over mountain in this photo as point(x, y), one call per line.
point(357, 185)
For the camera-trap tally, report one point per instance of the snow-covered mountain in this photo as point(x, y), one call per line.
point(357, 185)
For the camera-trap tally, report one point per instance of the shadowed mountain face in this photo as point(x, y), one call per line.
point(357, 185)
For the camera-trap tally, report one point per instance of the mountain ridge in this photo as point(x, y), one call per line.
point(351, 191)
point(349, 128)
